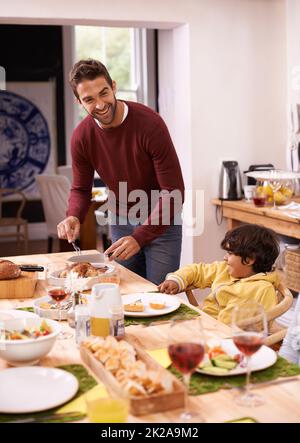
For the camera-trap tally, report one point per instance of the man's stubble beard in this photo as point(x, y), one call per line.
point(113, 109)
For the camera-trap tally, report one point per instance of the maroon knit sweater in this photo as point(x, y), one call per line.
point(139, 152)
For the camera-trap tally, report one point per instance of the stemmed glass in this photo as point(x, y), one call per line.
point(249, 325)
point(57, 293)
point(186, 350)
point(275, 184)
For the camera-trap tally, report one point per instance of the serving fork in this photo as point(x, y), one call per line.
point(76, 248)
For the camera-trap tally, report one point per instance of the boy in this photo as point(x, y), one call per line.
point(245, 274)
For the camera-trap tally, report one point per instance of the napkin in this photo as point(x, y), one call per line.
point(161, 356)
point(79, 403)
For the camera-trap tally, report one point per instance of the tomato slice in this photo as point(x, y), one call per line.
point(214, 352)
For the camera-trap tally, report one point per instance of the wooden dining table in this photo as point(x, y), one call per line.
point(282, 401)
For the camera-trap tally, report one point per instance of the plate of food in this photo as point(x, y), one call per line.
point(143, 304)
point(46, 307)
point(226, 360)
point(92, 272)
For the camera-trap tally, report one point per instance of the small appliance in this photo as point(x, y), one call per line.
point(230, 186)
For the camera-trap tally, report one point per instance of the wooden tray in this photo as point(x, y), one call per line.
point(21, 287)
point(139, 405)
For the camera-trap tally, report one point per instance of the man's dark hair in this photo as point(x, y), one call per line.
point(255, 242)
point(88, 69)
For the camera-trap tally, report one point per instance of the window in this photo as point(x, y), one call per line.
point(123, 51)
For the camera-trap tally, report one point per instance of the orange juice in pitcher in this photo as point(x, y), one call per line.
point(104, 297)
point(100, 326)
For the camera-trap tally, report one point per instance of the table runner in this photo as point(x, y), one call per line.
point(86, 382)
point(184, 312)
point(203, 384)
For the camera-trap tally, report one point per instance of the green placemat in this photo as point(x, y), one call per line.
point(202, 384)
point(86, 382)
point(28, 309)
point(182, 313)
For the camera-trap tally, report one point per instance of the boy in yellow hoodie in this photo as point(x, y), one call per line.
point(245, 274)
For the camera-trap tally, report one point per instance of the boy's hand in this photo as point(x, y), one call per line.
point(169, 287)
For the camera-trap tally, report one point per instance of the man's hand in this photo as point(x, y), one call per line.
point(69, 229)
point(123, 248)
point(169, 287)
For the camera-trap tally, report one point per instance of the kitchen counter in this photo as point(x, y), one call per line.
point(246, 212)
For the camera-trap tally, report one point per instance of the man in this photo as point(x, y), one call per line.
point(129, 146)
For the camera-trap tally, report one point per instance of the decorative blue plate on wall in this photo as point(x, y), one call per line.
point(24, 141)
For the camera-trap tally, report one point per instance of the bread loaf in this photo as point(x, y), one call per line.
point(9, 270)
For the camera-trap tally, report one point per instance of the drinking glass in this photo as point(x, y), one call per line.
point(57, 292)
point(108, 408)
point(186, 350)
point(275, 184)
point(249, 325)
point(259, 197)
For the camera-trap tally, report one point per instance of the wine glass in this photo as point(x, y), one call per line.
point(249, 326)
point(57, 292)
point(275, 184)
point(186, 351)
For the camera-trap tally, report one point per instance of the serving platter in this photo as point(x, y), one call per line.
point(273, 174)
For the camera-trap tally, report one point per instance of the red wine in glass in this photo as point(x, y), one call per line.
point(259, 201)
point(58, 294)
point(248, 343)
point(186, 356)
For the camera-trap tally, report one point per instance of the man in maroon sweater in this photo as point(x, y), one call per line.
point(129, 146)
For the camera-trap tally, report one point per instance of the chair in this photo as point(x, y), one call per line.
point(276, 331)
point(54, 191)
point(17, 222)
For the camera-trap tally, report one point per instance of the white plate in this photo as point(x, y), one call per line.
point(262, 359)
point(50, 313)
point(172, 303)
point(35, 388)
point(6, 314)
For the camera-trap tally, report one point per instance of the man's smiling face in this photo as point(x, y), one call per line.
point(99, 100)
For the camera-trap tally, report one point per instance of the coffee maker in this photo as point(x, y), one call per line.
point(230, 186)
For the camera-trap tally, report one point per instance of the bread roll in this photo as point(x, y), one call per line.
point(9, 270)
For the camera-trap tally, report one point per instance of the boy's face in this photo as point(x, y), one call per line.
point(236, 268)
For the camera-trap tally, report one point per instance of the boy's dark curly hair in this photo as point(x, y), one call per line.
point(255, 242)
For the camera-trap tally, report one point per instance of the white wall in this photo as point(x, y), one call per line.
point(226, 81)
point(293, 71)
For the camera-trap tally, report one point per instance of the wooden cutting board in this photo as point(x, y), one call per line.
point(21, 287)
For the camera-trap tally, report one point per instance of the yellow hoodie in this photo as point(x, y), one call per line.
point(227, 292)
